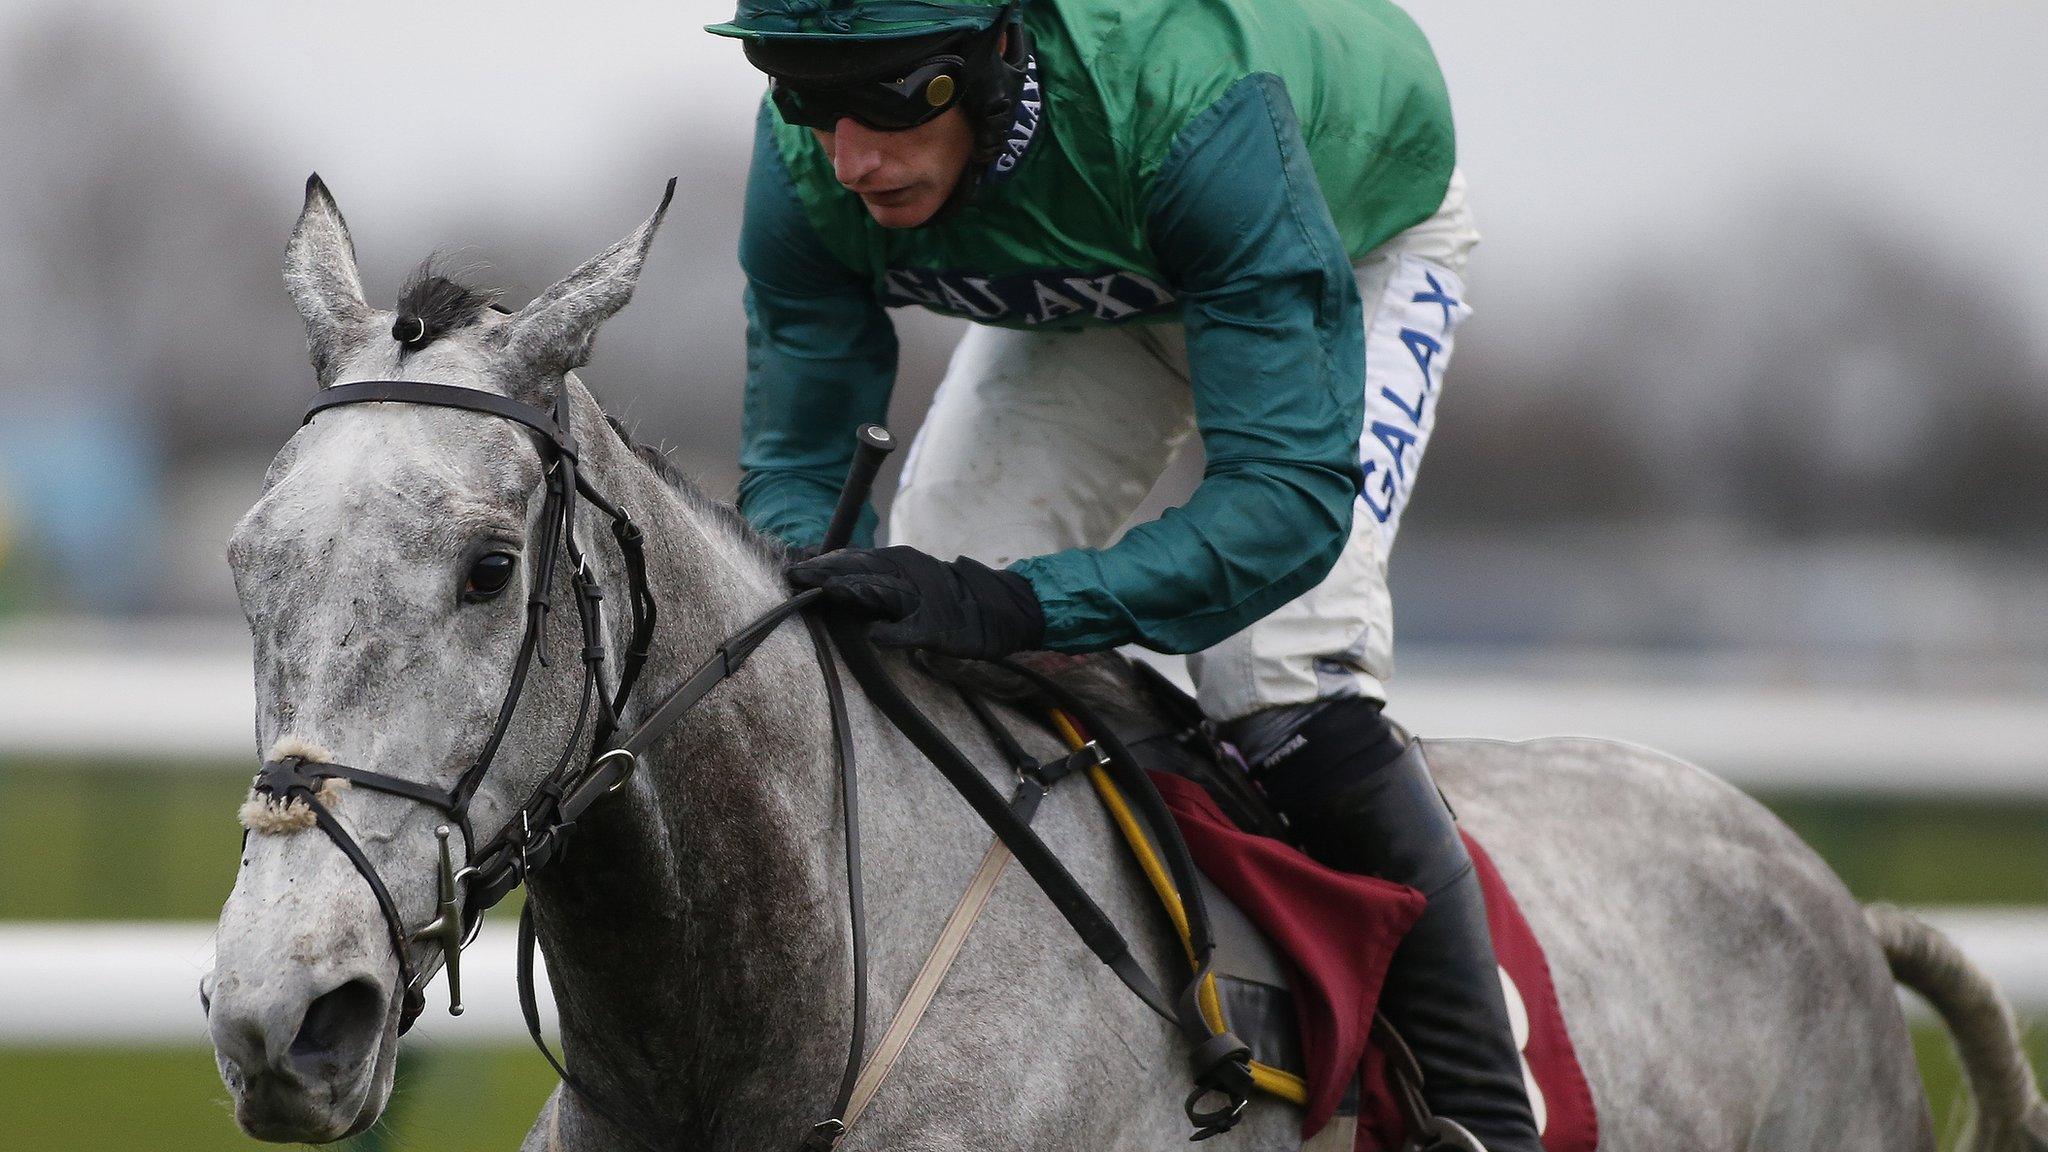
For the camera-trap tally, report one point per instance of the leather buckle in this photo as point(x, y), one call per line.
point(823, 1135)
point(1222, 1068)
point(289, 774)
point(1051, 772)
point(1214, 1121)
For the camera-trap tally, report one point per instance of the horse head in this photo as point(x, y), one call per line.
point(386, 573)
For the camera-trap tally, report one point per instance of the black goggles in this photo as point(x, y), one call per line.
point(916, 97)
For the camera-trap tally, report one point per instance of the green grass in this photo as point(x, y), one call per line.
point(1929, 852)
point(96, 842)
point(111, 842)
point(114, 1100)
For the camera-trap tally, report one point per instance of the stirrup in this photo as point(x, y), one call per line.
point(1428, 1132)
point(1442, 1134)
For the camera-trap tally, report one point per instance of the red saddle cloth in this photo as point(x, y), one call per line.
point(1337, 933)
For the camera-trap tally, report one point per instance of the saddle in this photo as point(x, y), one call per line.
point(1300, 949)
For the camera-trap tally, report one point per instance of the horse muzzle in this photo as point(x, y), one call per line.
point(304, 1061)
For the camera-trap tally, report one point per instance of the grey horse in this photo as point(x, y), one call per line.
point(1723, 989)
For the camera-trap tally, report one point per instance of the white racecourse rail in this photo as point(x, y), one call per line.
point(138, 984)
point(181, 699)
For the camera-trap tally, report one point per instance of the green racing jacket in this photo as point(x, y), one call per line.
point(1216, 163)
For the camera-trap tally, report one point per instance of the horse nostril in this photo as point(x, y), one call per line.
point(337, 1022)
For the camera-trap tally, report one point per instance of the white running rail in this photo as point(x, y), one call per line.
point(195, 707)
point(137, 984)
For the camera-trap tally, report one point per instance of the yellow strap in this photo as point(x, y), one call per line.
point(1273, 1081)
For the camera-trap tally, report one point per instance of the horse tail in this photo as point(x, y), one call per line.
point(2009, 1115)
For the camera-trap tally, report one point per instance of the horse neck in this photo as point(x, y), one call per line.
point(696, 935)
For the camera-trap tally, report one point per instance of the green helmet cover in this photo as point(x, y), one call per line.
point(856, 19)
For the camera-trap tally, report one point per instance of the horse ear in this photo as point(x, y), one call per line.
point(320, 273)
point(558, 329)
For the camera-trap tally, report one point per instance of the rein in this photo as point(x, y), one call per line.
point(538, 832)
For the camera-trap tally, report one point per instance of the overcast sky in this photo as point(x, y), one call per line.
point(1593, 131)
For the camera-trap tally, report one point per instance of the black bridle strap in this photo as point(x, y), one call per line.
point(529, 1007)
point(728, 659)
point(611, 772)
point(1079, 909)
point(856, 902)
point(377, 781)
point(537, 831)
point(293, 778)
point(415, 996)
point(633, 549)
point(502, 863)
point(438, 396)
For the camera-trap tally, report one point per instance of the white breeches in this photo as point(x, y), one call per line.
point(1042, 441)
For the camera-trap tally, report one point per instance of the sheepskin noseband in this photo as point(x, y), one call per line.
point(279, 815)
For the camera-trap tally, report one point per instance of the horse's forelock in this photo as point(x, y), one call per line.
point(434, 303)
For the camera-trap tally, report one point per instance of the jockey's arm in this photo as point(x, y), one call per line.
point(1276, 348)
point(821, 360)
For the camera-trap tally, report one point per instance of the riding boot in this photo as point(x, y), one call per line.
point(1357, 799)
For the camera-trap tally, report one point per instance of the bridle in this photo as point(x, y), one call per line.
point(537, 832)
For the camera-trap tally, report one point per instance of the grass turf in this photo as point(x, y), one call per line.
point(114, 1099)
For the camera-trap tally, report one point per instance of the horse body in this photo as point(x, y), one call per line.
point(1720, 985)
point(1719, 982)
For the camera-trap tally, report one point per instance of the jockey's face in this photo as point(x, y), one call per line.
point(903, 177)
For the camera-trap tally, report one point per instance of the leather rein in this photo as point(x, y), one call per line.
point(538, 832)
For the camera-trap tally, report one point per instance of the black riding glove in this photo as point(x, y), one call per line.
point(961, 608)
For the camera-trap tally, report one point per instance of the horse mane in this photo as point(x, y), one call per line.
point(767, 547)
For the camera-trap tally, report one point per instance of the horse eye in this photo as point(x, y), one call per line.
point(488, 576)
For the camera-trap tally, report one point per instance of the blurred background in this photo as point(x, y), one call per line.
point(1744, 455)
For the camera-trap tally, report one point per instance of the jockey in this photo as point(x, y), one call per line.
point(1228, 217)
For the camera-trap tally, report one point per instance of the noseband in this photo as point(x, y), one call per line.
point(536, 833)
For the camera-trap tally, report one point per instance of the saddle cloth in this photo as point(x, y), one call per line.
point(1308, 1010)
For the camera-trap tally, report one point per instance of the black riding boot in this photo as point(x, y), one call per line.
point(1359, 801)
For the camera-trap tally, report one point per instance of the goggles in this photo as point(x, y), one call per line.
point(917, 97)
